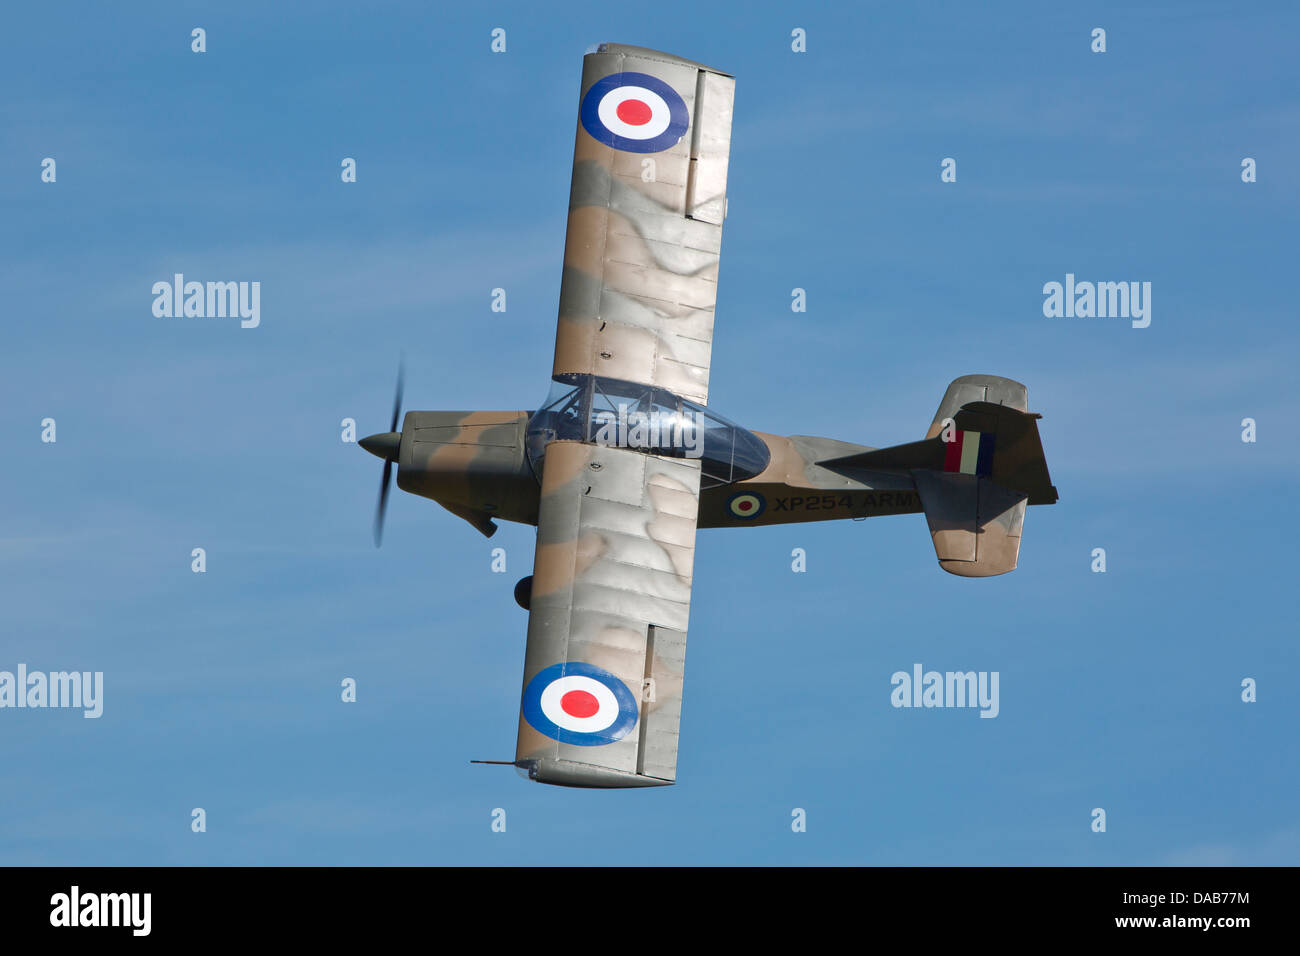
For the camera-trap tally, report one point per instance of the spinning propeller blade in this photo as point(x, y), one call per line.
point(387, 446)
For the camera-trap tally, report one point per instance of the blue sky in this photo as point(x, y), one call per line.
point(1118, 690)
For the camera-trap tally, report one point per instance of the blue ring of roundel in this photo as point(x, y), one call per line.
point(677, 124)
point(532, 705)
point(759, 502)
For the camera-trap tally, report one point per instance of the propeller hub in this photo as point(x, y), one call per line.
point(385, 445)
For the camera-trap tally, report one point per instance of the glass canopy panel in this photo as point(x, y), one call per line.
point(610, 411)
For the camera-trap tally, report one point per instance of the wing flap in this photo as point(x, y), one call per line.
point(662, 696)
point(710, 148)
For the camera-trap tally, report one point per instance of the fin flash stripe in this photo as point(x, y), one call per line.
point(970, 453)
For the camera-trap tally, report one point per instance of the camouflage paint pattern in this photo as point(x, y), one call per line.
point(616, 527)
point(795, 488)
point(976, 522)
point(612, 588)
point(641, 257)
point(471, 463)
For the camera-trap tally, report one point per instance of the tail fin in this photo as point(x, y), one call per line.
point(980, 464)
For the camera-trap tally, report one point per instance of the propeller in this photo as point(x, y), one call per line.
point(387, 446)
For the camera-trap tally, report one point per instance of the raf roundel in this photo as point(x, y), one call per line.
point(746, 505)
point(634, 112)
point(577, 703)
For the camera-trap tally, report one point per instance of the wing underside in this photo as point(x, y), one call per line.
point(645, 220)
point(611, 590)
point(609, 610)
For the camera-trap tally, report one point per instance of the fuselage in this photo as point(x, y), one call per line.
point(485, 465)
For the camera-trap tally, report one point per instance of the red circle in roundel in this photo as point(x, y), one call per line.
point(634, 112)
point(744, 505)
point(578, 703)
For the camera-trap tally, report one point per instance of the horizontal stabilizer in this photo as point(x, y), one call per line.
point(978, 388)
point(975, 524)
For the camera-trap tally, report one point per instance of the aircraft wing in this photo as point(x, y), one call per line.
point(645, 220)
point(611, 587)
point(607, 624)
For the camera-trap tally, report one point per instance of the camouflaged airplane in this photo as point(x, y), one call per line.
point(623, 461)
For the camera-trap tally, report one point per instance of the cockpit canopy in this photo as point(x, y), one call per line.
point(610, 411)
